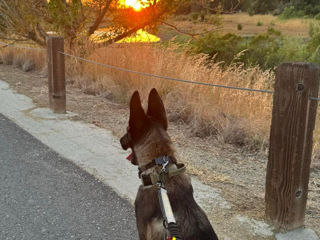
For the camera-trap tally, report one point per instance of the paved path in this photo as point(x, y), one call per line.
point(44, 196)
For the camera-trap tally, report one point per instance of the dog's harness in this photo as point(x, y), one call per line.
point(169, 168)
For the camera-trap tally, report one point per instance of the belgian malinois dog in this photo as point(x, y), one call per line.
point(148, 138)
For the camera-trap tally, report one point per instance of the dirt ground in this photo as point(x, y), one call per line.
point(239, 175)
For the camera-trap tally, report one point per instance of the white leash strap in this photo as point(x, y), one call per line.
point(165, 206)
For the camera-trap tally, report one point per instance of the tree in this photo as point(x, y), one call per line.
point(74, 19)
point(20, 20)
point(263, 6)
point(214, 6)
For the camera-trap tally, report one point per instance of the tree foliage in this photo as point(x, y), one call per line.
point(290, 8)
point(74, 19)
point(20, 20)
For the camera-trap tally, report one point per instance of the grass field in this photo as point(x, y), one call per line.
point(250, 25)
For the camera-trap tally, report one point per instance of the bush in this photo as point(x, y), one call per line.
point(195, 16)
point(317, 16)
point(262, 6)
point(313, 29)
point(263, 49)
point(266, 50)
point(259, 24)
point(239, 26)
point(301, 9)
point(223, 47)
point(245, 5)
point(291, 12)
point(28, 66)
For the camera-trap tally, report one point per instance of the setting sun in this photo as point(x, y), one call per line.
point(135, 4)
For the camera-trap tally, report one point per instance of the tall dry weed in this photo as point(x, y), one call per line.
point(232, 116)
point(236, 117)
point(25, 59)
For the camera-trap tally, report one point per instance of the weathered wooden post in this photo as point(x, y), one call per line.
point(56, 74)
point(290, 150)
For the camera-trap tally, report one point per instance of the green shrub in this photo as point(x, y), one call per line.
point(289, 12)
point(317, 16)
point(294, 49)
point(313, 46)
point(223, 47)
point(262, 6)
point(195, 16)
point(267, 50)
point(301, 9)
point(314, 27)
point(314, 43)
point(259, 24)
point(239, 26)
point(263, 49)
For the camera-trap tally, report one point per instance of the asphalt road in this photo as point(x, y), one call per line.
point(44, 196)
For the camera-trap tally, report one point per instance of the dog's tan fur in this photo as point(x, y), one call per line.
point(156, 143)
point(150, 140)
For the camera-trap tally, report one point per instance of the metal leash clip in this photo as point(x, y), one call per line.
point(163, 161)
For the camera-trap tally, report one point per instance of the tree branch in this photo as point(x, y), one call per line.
point(178, 30)
point(99, 19)
point(186, 33)
point(155, 19)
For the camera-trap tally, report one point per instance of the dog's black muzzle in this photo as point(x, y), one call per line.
point(126, 141)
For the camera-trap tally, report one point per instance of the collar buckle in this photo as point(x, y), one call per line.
point(162, 161)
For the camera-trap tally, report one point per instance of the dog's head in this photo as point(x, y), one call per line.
point(142, 125)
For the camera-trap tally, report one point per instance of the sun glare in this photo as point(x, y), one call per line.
point(135, 4)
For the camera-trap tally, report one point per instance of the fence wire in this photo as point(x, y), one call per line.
point(167, 78)
point(315, 99)
point(152, 75)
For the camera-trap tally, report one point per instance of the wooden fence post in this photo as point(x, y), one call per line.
point(290, 150)
point(56, 74)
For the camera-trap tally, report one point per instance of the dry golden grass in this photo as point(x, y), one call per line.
point(250, 26)
point(27, 60)
point(235, 117)
point(291, 27)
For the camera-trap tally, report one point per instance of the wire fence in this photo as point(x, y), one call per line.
point(315, 99)
point(150, 74)
point(166, 78)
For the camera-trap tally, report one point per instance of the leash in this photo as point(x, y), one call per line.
point(169, 222)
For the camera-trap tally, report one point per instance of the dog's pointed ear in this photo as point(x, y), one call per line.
point(156, 108)
point(137, 115)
